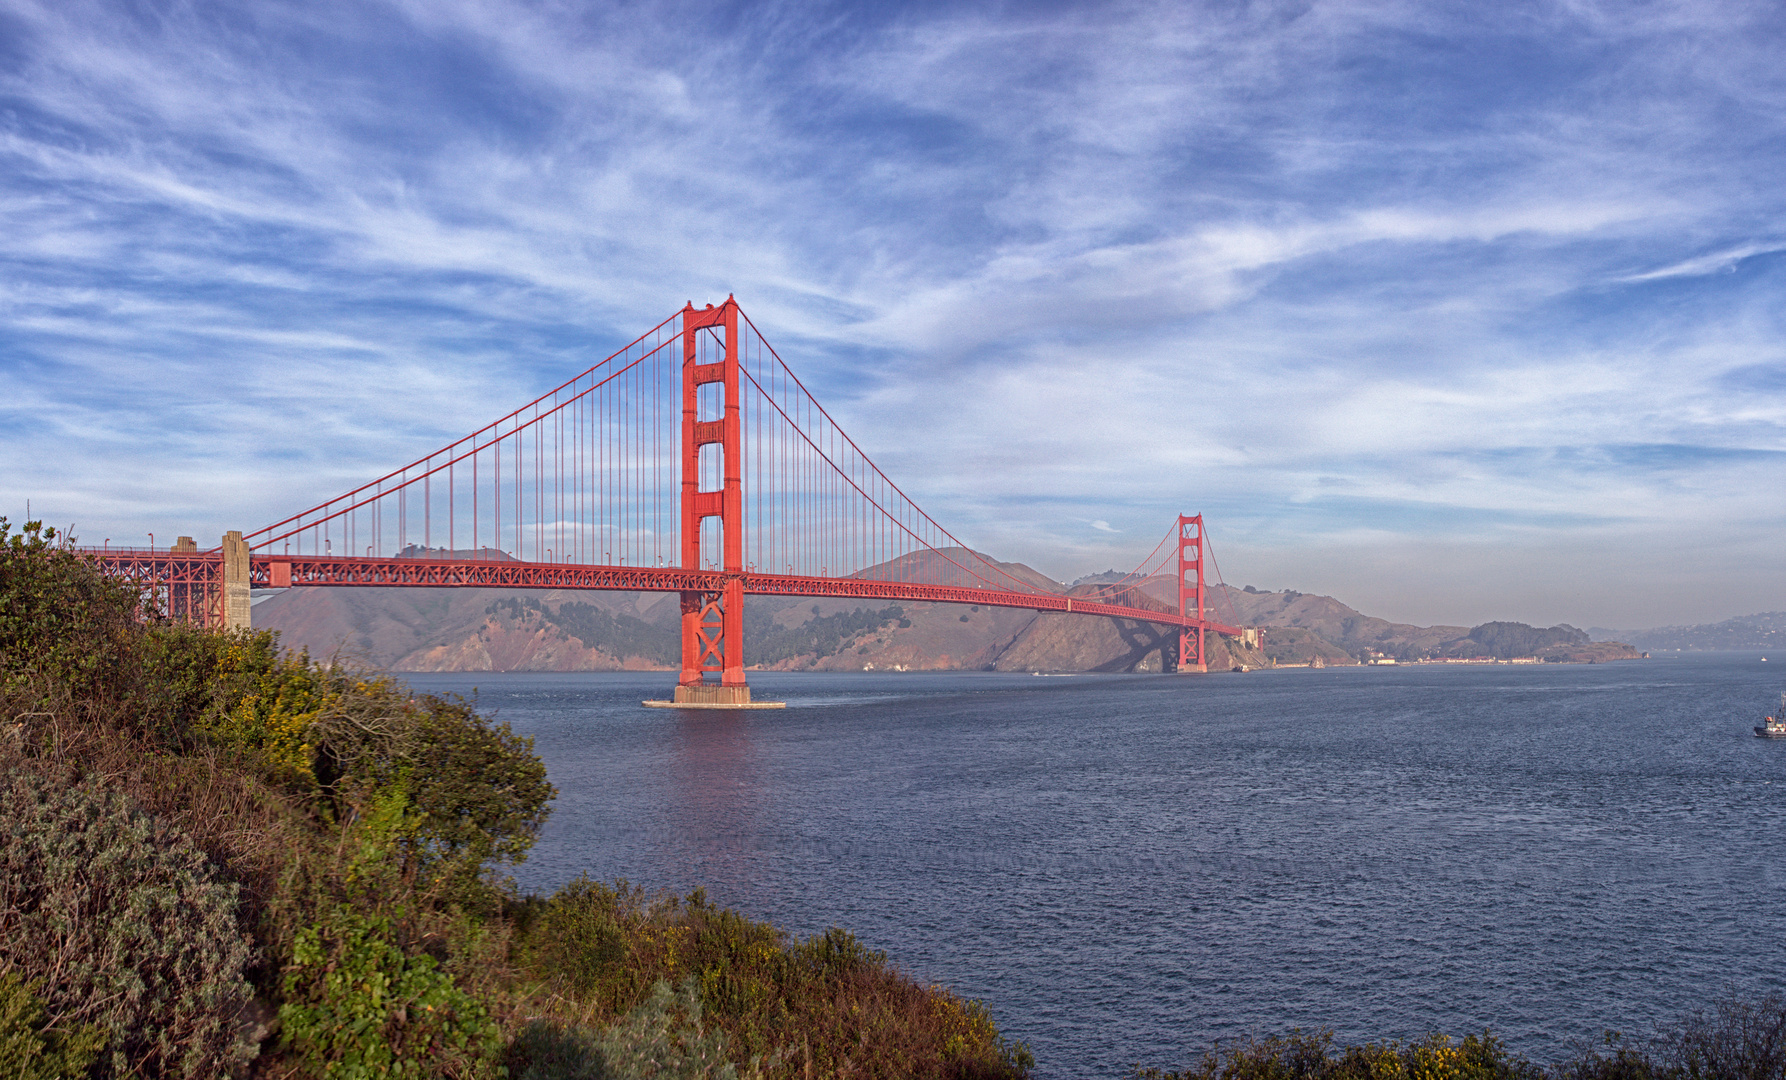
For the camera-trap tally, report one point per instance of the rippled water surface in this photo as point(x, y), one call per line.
point(1127, 868)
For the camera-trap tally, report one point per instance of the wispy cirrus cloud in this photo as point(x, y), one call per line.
point(1717, 262)
point(1352, 278)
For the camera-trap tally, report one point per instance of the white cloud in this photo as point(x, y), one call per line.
point(1714, 263)
point(1281, 262)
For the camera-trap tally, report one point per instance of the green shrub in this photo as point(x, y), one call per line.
point(65, 625)
point(480, 791)
point(60, 619)
point(358, 1007)
point(358, 1003)
point(474, 792)
point(581, 937)
point(340, 738)
point(249, 699)
point(836, 953)
point(30, 1049)
point(127, 927)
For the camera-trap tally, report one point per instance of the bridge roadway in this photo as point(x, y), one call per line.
point(282, 571)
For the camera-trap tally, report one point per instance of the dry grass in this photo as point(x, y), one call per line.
point(825, 1007)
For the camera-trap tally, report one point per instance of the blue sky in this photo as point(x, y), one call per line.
point(1453, 311)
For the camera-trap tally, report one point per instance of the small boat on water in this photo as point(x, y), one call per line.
point(1773, 727)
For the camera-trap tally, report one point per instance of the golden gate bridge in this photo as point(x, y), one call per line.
point(691, 461)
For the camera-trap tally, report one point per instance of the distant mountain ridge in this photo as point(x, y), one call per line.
point(1763, 630)
point(575, 630)
point(1304, 628)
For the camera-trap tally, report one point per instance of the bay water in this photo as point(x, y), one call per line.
point(1126, 869)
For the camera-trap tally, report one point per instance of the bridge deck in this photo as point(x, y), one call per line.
point(278, 571)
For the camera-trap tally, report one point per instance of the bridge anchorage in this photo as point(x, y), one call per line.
point(750, 488)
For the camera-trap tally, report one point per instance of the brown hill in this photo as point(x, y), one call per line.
point(961, 567)
point(569, 630)
point(565, 630)
point(1330, 629)
point(1301, 627)
point(1061, 642)
point(476, 629)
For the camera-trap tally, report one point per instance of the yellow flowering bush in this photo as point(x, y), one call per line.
point(279, 699)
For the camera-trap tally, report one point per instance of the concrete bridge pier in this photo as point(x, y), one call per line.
point(236, 611)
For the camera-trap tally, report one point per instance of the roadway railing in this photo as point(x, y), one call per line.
point(282, 571)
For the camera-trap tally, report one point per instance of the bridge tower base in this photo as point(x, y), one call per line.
point(714, 696)
point(236, 614)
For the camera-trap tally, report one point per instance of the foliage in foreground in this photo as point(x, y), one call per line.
point(358, 1006)
point(125, 924)
point(1736, 1039)
point(828, 1001)
point(31, 1049)
point(663, 1038)
point(1315, 1056)
point(248, 834)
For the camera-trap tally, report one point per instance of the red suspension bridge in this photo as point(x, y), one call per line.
point(691, 461)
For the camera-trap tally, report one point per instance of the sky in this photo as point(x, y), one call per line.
point(1455, 312)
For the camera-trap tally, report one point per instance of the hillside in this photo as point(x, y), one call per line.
point(477, 629)
point(569, 630)
point(1765, 630)
point(226, 860)
point(1304, 627)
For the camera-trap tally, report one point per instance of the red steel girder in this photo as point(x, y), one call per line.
point(201, 572)
point(326, 570)
point(186, 585)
